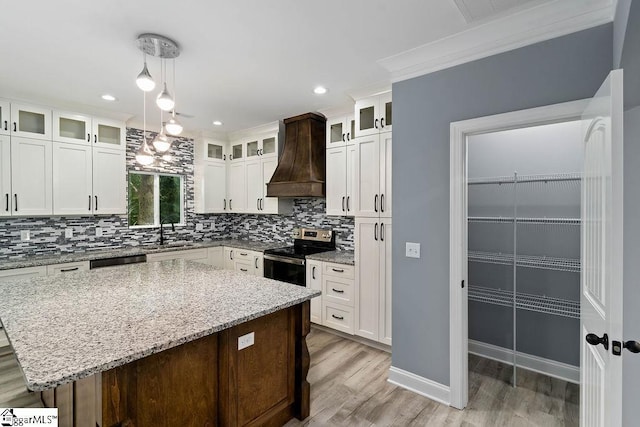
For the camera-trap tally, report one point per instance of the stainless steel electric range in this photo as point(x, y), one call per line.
point(288, 264)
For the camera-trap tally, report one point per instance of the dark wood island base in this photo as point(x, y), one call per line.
point(209, 381)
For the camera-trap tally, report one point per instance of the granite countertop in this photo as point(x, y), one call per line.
point(35, 261)
point(64, 328)
point(339, 257)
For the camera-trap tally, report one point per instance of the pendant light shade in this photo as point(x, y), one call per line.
point(164, 100)
point(144, 80)
point(144, 155)
point(173, 126)
point(161, 143)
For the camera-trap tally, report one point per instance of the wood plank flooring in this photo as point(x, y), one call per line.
point(349, 388)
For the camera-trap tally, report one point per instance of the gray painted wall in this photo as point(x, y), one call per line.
point(619, 30)
point(559, 70)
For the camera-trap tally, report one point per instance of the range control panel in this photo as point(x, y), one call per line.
point(314, 234)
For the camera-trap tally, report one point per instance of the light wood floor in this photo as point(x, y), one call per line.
point(349, 388)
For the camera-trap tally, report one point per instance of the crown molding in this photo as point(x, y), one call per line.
point(529, 26)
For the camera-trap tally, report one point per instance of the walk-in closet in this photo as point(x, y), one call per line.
point(524, 247)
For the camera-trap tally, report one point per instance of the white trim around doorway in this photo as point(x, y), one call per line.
point(458, 312)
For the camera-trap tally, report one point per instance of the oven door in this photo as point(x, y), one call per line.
point(290, 270)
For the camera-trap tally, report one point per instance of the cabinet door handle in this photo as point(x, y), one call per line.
point(224, 157)
point(376, 124)
point(96, 202)
point(261, 204)
point(382, 203)
point(344, 138)
point(230, 156)
point(375, 232)
point(64, 270)
point(375, 203)
point(343, 199)
point(88, 137)
point(225, 204)
point(382, 122)
point(348, 208)
point(258, 204)
point(382, 232)
point(256, 262)
point(95, 138)
point(243, 269)
point(231, 254)
point(313, 272)
point(89, 202)
point(5, 125)
point(230, 205)
point(337, 317)
point(348, 136)
point(15, 199)
point(15, 126)
point(244, 253)
point(338, 270)
point(7, 202)
point(338, 291)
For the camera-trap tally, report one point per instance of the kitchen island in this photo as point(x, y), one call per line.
point(162, 343)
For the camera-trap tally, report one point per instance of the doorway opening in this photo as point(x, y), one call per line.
point(515, 243)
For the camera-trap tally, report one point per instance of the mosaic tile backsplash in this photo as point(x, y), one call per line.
point(48, 237)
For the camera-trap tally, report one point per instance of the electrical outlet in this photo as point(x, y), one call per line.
point(25, 235)
point(412, 250)
point(98, 231)
point(68, 233)
point(246, 340)
point(199, 226)
point(213, 225)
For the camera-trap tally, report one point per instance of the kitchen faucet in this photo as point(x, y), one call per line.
point(162, 222)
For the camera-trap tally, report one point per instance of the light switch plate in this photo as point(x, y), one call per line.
point(412, 250)
point(246, 340)
point(98, 231)
point(199, 226)
point(25, 235)
point(68, 233)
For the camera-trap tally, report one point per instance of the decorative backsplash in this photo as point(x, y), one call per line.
point(48, 237)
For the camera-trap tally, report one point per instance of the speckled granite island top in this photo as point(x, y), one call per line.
point(64, 328)
point(339, 257)
point(35, 261)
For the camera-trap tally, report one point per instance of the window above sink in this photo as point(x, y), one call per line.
point(155, 198)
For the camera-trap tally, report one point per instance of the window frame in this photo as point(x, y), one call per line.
point(156, 199)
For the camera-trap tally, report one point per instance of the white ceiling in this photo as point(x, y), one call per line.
point(244, 62)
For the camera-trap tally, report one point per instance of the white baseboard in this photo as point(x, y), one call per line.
point(541, 365)
point(417, 384)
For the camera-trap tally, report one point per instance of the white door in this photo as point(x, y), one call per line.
point(109, 182)
point(385, 281)
point(351, 199)
point(5, 176)
point(5, 117)
point(31, 179)
point(254, 184)
point(385, 175)
point(314, 281)
point(268, 204)
point(367, 185)
point(71, 127)
point(602, 243)
point(110, 134)
point(72, 179)
point(237, 187)
point(367, 238)
point(215, 193)
point(30, 121)
point(336, 181)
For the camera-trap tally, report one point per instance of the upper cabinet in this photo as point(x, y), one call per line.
point(31, 177)
point(210, 177)
point(5, 175)
point(372, 184)
point(373, 115)
point(237, 152)
point(71, 127)
point(30, 121)
point(109, 134)
point(5, 117)
point(340, 131)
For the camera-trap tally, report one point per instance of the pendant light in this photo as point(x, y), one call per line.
point(161, 143)
point(164, 100)
point(173, 126)
point(144, 80)
point(144, 155)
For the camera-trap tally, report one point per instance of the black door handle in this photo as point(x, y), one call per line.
point(96, 202)
point(382, 122)
point(7, 208)
point(593, 339)
point(382, 203)
point(88, 137)
point(382, 232)
point(5, 125)
point(376, 124)
point(15, 199)
point(95, 138)
point(89, 202)
point(375, 232)
point(15, 127)
point(375, 203)
point(313, 272)
point(632, 346)
point(348, 208)
point(343, 199)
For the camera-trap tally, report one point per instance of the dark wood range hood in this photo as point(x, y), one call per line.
point(301, 168)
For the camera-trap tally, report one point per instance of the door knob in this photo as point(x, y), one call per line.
point(593, 339)
point(632, 346)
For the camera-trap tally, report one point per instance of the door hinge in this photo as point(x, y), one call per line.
point(462, 284)
point(616, 348)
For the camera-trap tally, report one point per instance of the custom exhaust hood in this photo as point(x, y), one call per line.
point(301, 168)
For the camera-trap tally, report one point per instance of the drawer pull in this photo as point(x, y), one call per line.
point(338, 291)
point(244, 253)
point(337, 317)
point(338, 270)
point(64, 270)
point(243, 269)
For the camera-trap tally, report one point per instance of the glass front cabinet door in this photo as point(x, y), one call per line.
point(71, 127)
point(374, 115)
point(340, 131)
point(30, 121)
point(109, 134)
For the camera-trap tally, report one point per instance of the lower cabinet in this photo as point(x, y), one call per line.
point(314, 281)
point(22, 273)
point(335, 308)
point(215, 256)
point(67, 267)
point(373, 274)
point(188, 254)
point(250, 262)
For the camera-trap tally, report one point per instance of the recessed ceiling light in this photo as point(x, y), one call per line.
point(320, 90)
point(108, 97)
point(217, 123)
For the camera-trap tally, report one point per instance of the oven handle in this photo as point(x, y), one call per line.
point(284, 259)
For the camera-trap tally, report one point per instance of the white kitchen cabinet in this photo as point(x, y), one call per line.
point(215, 256)
point(31, 176)
point(229, 262)
point(254, 185)
point(72, 128)
point(340, 131)
point(259, 173)
point(109, 134)
point(340, 178)
point(373, 115)
point(72, 179)
point(314, 281)
point(67, 267)
point(109, 181)
point(372, 185)
point(237, 187)
point(5, 117)
point(244, 266)
point(338, 296)
point(258, 264)
point(373, 278)
point(22, 273)
point(210, 177)
point(199, 255)
point(237, 152)
point(5, 176)
point(262, 146)
point(30, 121)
